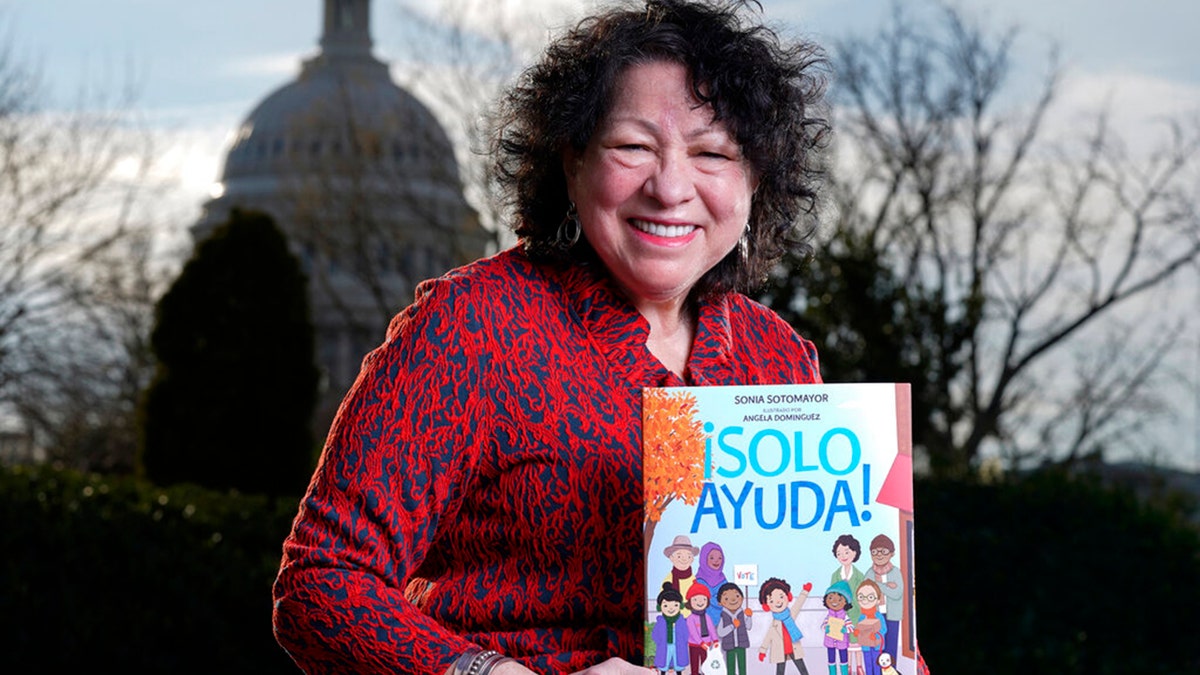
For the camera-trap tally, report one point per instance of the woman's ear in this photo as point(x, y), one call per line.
point(571, 160)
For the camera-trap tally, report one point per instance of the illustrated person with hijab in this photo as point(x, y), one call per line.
point(711, 572)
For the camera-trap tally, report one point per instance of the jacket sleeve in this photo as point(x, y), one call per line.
point(798, 603)
point(391, 471)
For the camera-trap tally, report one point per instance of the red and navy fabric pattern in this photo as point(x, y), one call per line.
point(482, 484)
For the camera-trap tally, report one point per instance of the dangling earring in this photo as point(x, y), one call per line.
point(569, 229)
point(744, 244)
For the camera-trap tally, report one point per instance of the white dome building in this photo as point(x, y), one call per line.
point(362, 178)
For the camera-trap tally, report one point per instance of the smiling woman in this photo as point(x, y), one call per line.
point(663, 194)
point(477, 508)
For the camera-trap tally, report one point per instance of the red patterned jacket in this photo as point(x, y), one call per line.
point(482, 483)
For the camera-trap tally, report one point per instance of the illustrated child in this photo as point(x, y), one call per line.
point(782, 641)
point(711, 572)
point(847, 550)
point(670, 635)
point(870, 627)
point(734, 628)
point(837, 627)
point(885, 664)
point(702, 630)
point(891, 583)
point(681, 553)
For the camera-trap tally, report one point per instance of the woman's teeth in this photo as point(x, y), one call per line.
point(660, 230)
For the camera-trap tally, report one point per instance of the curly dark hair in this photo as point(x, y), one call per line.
point(726, 587)
point(849, 542)
point(769, 95)
point(774, 583)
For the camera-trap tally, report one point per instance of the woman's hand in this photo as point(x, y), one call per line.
point(511, 668)
point(613, 666)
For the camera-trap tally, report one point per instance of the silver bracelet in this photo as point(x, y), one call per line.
point(492, 661)
point(478, 662)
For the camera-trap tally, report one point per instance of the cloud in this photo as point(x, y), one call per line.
point(1132, 96)
point(260, 65)
point(1138, 106)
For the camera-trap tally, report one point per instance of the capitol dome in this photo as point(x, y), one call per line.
point(339, 106)
point(342, 115)
point(362, 179)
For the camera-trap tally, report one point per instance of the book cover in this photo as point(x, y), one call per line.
point(779, 529)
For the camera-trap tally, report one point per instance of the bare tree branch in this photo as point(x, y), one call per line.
point(72, 353)
point(1008, 249)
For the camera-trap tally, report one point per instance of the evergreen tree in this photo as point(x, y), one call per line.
point(233, 395)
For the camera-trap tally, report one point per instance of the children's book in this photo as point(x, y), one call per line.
point(779, 529)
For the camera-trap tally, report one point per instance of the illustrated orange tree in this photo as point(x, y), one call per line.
point(673, 439)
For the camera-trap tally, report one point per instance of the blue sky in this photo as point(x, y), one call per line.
point(200, 67)
point(186, 53)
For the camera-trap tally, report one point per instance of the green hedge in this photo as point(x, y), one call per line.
point(1054, 574)
point(1045, 575)
point(115, 575)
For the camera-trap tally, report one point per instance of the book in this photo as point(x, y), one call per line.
point(779, 528)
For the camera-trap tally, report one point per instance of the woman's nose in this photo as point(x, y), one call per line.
point(671, 182)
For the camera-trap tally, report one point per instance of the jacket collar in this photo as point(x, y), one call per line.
point(618, 332)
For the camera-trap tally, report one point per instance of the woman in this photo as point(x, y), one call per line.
point(711, 570)
point(477, 506)
point(847, 551)
point(711, 573)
